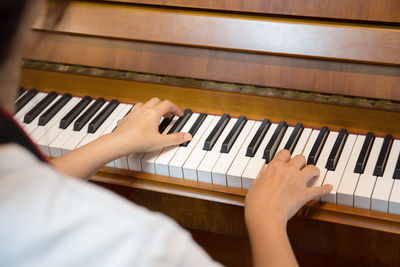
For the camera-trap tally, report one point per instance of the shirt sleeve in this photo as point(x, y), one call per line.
point(47, 219)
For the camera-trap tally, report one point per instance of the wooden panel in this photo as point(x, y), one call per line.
point(236, 67)
point(230, 251)
point(371, 10)
point(232, 32)
point(346, 245)
point(231, 199)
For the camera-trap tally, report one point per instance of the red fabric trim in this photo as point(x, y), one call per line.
point(16, 124)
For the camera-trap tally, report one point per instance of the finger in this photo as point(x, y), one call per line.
point(318, 191)
point(152, 102)
point(298, 161)
point(167, 106)
point(283, 155)
point(174, 139)
point(308, 172)
point(135, 107)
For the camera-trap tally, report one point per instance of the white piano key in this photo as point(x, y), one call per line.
point(383, 185)
point(30, 127)
point(77, 136)
point(301, 144)
point(166, 155)
point(310, 143)
point(211, 157)
point(234, 174)
point(177, 162)
point(148, 159)
point(323, 158)
point(41, 131)
point(348, 184)
point(394, 200)
point(366, 182)
point(197, 155)
point(132, 160)
point(252, 171)
point(55, 146)
point(121, 163)
point(225, 160)
point(334, 177)
point(285, 138)
point(19, 116)
point(257, 163)
point(112, 117)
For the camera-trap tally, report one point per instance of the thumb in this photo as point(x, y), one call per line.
point(175, 139)
point(320, 190)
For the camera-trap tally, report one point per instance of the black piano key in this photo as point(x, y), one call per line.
point(74, 112)
point(216, 132)
point(49, 114)
point(164, 124)
point(21, 90)
point(195, 127)
point(318, 145)
point(272, 146)
point(258, 137)
point(102, 116)
point(294, 137)
point(336, 150)
point(383, 156)
point(233, 134)
point(396, 173)
point(85, 117)
point(36, 110)
point(178, 125)
point(364, 154)
point(21, 102)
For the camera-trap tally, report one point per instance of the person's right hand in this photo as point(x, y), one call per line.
point(281, 190)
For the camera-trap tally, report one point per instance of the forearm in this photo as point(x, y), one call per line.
point(86, 160)
point(271, 247)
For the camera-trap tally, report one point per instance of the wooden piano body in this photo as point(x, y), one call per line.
point(330, 62)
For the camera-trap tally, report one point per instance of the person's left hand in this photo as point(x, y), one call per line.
point(138, 131)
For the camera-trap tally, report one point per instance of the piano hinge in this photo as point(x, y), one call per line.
point(371, 103)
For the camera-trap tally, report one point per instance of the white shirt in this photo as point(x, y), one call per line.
point(48, 219)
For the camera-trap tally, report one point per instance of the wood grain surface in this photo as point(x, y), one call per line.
point(232, 32)
point(369, 10)
point(375, 81)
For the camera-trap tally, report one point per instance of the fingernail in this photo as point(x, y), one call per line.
point(187, 137)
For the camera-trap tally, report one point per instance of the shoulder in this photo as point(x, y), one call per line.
point(59, 217)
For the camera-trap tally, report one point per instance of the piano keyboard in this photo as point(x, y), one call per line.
point(363, 169)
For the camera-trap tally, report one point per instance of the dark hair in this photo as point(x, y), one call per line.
point(10, 16)
point(11, 12)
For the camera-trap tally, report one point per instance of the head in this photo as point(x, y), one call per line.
point(16, 19)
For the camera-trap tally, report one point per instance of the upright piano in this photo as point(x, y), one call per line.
point(332, 63)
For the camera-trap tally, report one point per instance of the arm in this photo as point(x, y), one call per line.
point(272, 200)
point(137, 132)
